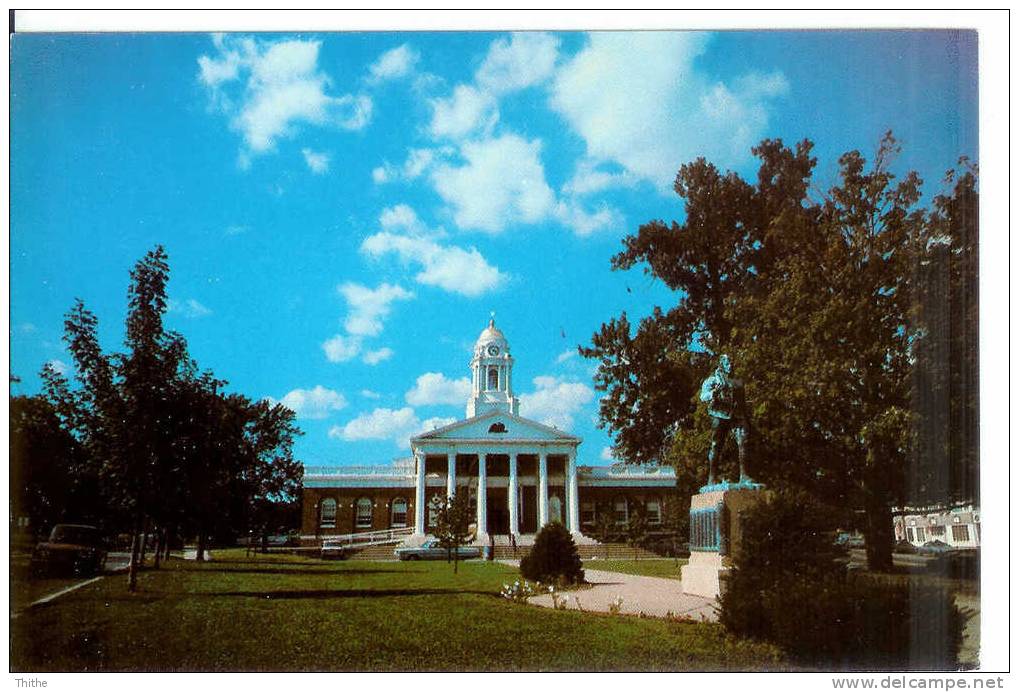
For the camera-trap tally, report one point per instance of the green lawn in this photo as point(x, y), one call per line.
point(655, 567)
point(291, 613)
point(26, 589)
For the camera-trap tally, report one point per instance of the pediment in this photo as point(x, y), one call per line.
point(496, 426)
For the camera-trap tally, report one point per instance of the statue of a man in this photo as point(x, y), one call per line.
point(727, 407)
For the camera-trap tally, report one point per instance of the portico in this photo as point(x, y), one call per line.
point(519, 475)
point(496, 448)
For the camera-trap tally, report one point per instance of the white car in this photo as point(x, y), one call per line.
point(433, 550)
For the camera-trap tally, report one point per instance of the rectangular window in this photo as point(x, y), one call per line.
point(622, 516)
point(909, 535)
point(654, 512)
point(586, 512)
point(921, 535)
point(938, 531)
point(960, 534)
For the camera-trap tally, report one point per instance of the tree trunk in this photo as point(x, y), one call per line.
point(145, 540)
point(157, 553)
point(878, 533)
point(132, 570)
point(200, 550)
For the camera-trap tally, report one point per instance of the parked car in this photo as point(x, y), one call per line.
point(72, 548)
point(905, 548)
point(850, 540)
point(432, 550)
point(934, 547)
point(334, 550)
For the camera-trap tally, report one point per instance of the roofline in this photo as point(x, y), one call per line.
point(562, 436)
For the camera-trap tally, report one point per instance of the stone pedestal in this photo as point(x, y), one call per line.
point(716, 534)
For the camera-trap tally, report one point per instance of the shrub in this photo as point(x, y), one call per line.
point(789, 586)
point(553, 558)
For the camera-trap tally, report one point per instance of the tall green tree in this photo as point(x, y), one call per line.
point(820, 306)
point(452, 524)
point(50, 481)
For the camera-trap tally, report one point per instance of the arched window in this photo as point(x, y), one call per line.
point(363, 518)
point(654, 511)
point(620, 510)
point(499, 427)
point(493, 378)
point(399, 513)
point(327, 513)
point(555, 509)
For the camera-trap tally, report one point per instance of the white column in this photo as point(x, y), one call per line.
point(573, 497)
point(419, 497)
point(482, 498)
point(514, 526)
point(450, 475)
point(542, 489)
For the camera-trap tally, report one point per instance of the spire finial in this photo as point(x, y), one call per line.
point(491, 322)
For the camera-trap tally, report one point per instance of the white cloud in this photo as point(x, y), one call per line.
point(268, 88)
point(502, 183)
point(417, 163)
point(606, 454)
point(449, 267)
point(588, 179)
point(566, 355)
point(435, 388)
point(521, 61)
point(398, 425)
point(341, 348)
point(638, 99)
point(570, 214)
point(393, 64)
point(318, 162)
point(435, 423)
point(189, 308)
point(369, 307)
point(314, 403)
point(377, 356)
point(555, 401)
point(369, 394)
point(402, 217)
point(60, 367)
point(467, 111)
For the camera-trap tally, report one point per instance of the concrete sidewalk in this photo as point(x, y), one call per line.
point(654, 596)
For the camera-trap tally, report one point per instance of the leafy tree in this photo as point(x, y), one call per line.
point(50, 481)
point(452, 524)
point(819, 305)
point(636, 530)
point(167, 447)
point(605, 522)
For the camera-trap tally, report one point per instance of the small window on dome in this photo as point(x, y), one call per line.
point(497, 428)
point(493, 378)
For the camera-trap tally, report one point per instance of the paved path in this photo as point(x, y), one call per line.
point(654, 596)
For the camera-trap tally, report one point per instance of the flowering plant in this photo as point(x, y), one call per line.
point(517, 592)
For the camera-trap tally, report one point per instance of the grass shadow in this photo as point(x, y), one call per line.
point(328, 594)
point(225, 569)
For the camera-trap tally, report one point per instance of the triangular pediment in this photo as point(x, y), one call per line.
point(495, 426)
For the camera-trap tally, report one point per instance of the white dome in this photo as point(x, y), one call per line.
point(491, 335)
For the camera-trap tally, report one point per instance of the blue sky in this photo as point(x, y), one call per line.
point(343, 211)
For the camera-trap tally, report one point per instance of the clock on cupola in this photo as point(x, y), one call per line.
point(492, 374)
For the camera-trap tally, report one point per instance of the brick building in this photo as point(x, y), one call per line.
point(519, 474)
